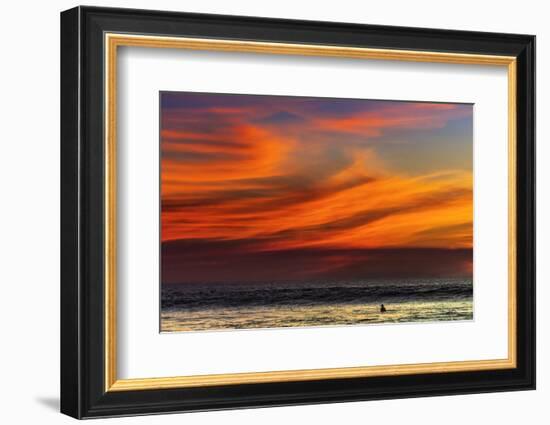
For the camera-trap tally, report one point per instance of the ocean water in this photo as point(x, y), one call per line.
point(199, 307)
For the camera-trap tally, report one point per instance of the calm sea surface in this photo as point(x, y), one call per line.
point(196, 306)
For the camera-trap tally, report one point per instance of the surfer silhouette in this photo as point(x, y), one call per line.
point(382, 308)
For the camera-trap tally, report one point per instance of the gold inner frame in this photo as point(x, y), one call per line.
point(113, 41)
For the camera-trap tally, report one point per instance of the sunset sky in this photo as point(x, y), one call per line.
point(264, 188)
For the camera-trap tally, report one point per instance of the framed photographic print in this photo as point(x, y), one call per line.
point(261, 212)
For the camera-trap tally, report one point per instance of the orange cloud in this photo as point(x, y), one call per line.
point(230, 178)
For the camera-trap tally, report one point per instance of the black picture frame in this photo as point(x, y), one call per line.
point(83, 392)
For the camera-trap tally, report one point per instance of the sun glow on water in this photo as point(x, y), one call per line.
point(308, 316)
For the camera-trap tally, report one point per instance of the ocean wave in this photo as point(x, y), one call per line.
point(232, 295)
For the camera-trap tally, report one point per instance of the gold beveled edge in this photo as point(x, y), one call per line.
point(110, 214)
point(306, 375)
point(512, 215)
point(303, 49)
point(112, 41)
